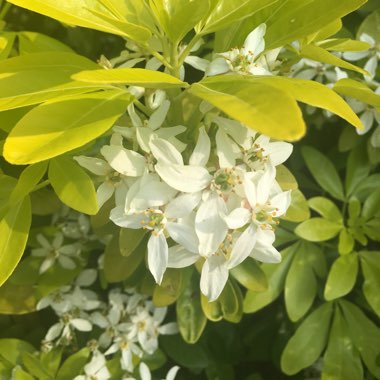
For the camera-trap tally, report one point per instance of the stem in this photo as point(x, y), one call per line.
point(158, 56)
point(188, 48)
point(5, 10)
point(142, 107)
point(41, 185)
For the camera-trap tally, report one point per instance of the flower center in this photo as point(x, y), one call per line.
point(153, 220)
point(225, 180)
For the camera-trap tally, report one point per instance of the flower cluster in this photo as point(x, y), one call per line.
point(127, 325)
point(218, 207)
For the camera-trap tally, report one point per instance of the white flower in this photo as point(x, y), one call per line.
point(373, 55)
point(128, 348)
point(145, 374)
point(55, 251)
point(96, 369)
point(246, 60)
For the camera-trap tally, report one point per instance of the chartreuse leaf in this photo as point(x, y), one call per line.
point(117, 267)
point(136, 77)
point(224, 13)
point(318, 229)
point(20, 374)
point(29, 178)
point(73, 185)
point(365, 335)
point(323, 171)
point(129, 240)
point(51, 360)
point(301, 281)
point(190, 318)
point(251, 102)
point(357, 90)
point(285, 178)
point(326, 208)
point(34, 78)
point(34, 366)
point(6, 44)
point(316, 53)
point(358, 168)
point(314, 94)
point(344, 44)
point(250, 275)
point(276, 275)
point(14, 230)
point(342, 276)
point(308, 342)
point(73, 365)
point(63, 124)
point(341, 359)
point(371, 206)
point(370, 262)
point(170, 288)
point(298, 211)
point(32, 42)
point(290, 20)
point(177, 17)
point(12, 349)
point(346, 242)
point(326, 31)
point(371, 25)
point(87, 13)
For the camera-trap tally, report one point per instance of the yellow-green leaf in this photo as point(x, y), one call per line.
point(14, 230)
point(87, 13)
point(63, 124)
point(344, 44)
point(251, 102)
point(136, 77)
point(298, 210)
point(73, 185)
point(32, 42)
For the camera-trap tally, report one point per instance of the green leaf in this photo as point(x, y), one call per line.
point(301, 281)
point(370, 262)
point(177, 17)
point(7, 40)
point(73, 185)
point(88, 14)
point(314, 94)
point(371, 206)
point(341, 359)
point(323, 171)
point(52, 359)
point(326, 208)
point(318, 229)
point(129, 240)
point(170, 288)
point(298, 210)
point(276, 274)
point(251, 103)
point(117, 267)
point(28, 180)
point(63, 124)
point(228, 12)
point(319, 54)
point(17, 299)
point(357, 90)
point(250, 275)
point(346, 242)
point(308, 342)
point(358, 169)
point(285, 178)
point(371, 25)
point(291, 20)
point(12, 349)
point(34, 366)
point(344, 44)
point(14, 230)
point(342, 276)
point(190, 318)
point(365, 335)
point(32, 42)
point(20, 374)
point(73, 365)
point(34, 78)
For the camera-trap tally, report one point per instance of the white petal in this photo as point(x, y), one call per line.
point(217, 66)
point(255, 41)
point(166, 133)
point(165, 152)
point(185, 178)
point(157, 256)
point(367, 119)
point(144, 372)
point(281, 202)
point(104, 192)
point(213, 277)
point(263, 250)
point(279, 152)
point(265, 184)
point(127, 221)
point(250, 190)
point(159, 115)
point(225, 150)
point(355, 55)
point(239, 217)
point(81, 324)
point(209, 225)
point(198, 63)
point(94, 165)
point(180, 257)
point(136, 121)
point(201, 152)
point(126, 360)
point(168, 329)
point(183, 235)
point(172, 373)
point(54, 331)
point(124, 161)
point(243, 246)
point(97, 362)
point(371, 66)
point(66, 262)
point(182, 205)
point(143, 136)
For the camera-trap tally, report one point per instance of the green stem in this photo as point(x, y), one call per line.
point(188, 48)
point(158, 56)
point(41, 185)
point(5, 10)
point(142, 107)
